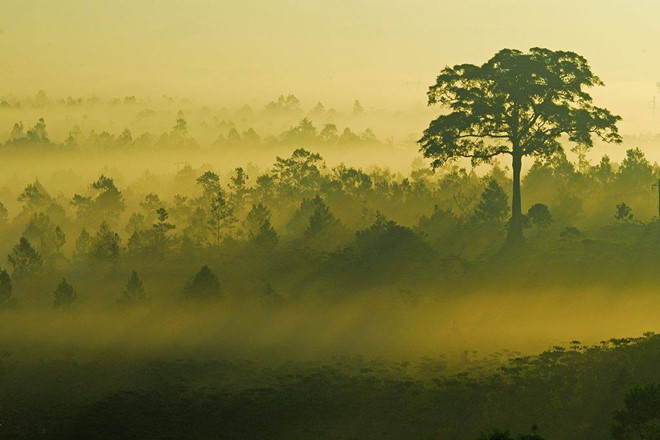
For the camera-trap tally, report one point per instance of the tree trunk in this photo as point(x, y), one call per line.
point(515, 236)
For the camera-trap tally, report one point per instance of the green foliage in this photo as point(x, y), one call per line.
point(65, 296)
point(539, 215)
point(105, 245)
point(24, 260)
point(517, 103)
point(640, 417)
point(259, 228)
point(38, 133)
point(210, 183)
point(300, 173)
point(635, 171)
point(134, 291)
point(83, 244)
point(571, 233)
point(47, 237)
point(494, 204)
point(106, 202)
point(220, 217)
point(623, 213)
point(526, 100)
point(238, 189)
point(506, 435)
point(204, 285)
point(6, 288)
point(321, 219)
point(34, 196)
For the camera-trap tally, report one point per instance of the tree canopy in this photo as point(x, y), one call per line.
point(519, 104)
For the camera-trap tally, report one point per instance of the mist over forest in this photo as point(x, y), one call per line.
point(269, 242)
point(329, 220)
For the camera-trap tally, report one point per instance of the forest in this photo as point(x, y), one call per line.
point(178, 270)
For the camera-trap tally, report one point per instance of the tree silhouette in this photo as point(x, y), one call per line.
point(65, 296)
point(300, 173)
point(493, 205)
point(105, 204)
point(6, 288)
point(640, 417)
point(539, 215)
point(571, 233)
point(498, 434)
point(517, 103)
point(83, 244)
point(34, 196)
point(321, 219)
point(210, 183)
point(47, 237)
point(160, 229)
point(25, 261)
point(38, 133)
point(259, 228)
point(221, 216)
point(238, 189)
point(623, 213)
point(204, 285)
point(105, 245)
point(134, 291)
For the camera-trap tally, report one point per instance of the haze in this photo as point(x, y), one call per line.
point(385, 53)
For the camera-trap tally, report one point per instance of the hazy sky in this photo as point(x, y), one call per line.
point(333, 50)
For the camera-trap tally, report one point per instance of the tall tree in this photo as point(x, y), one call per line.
point(517, 103)
point(221, 216)
point(238, 189)
point(160, 229)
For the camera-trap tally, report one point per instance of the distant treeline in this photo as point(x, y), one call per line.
point(304, 132)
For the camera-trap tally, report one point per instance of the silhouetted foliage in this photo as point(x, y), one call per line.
point(134, 291)
point(204, 285)
point(65, 296)
point(519, 104)
point(24, 260)
point(6, 289)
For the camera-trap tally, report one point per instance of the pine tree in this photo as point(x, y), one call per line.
point(24, 260)
point(105, 246)
point(65, 296)
point(134, 291)
point(221, 216)
point(204, 285)
point(494, 204)
point(321, 218)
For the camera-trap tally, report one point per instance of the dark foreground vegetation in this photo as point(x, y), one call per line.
point(568, 392)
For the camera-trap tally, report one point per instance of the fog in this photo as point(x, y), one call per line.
point(332, 220)
point(396, 328)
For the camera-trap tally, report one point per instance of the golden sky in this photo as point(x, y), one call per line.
point(333, 50)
